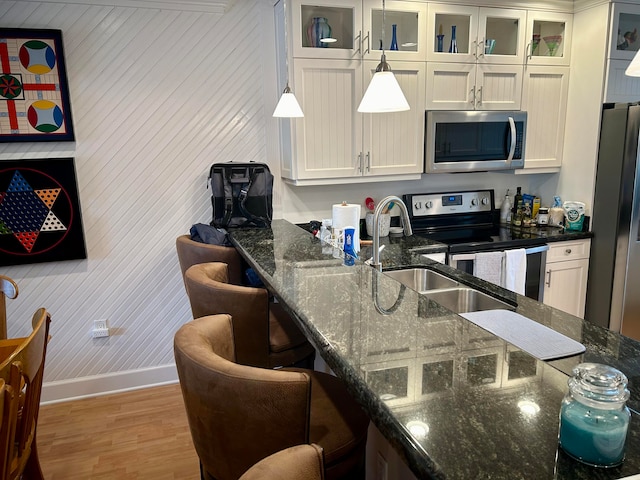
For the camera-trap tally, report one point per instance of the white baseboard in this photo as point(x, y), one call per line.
point(85, 387)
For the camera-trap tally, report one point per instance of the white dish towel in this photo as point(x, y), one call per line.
point(515, 270)
point(488, 266)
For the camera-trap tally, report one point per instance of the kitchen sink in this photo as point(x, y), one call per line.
point(465, 300)
point(421, 280)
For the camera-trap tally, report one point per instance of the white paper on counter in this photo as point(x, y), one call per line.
point(534, 338)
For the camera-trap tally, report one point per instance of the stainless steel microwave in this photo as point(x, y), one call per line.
point(474, 141)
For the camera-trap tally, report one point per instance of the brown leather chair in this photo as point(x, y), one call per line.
point(302, 462)
point(22, 367)
point(239, 415)
point(191, 253)
point(265, 335)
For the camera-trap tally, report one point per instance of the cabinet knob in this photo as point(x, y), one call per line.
point(567, 251)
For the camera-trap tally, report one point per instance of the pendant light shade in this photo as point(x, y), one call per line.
point(288, 105)
point(384, 93)
point(633, 70)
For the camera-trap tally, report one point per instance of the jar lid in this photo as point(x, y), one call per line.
point(599, 385)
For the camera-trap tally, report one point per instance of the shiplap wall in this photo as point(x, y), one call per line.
point(157, 95)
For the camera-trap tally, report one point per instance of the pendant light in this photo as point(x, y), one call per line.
point(383, 93)
point(288, 106)
point(633, 70)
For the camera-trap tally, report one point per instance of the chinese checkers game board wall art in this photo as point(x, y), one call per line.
point(39, 212)
point(34, 96)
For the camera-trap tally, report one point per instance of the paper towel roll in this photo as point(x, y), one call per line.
point(347, 215)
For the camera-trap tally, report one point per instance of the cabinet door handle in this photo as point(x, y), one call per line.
point(360, 162)
point(548, 282)
point(473, 96)
point(358, 41)
point(368, 43)
point(530, 50)
point(479, 97)
point(481, 46)
point(474, 45)
point(368, 161)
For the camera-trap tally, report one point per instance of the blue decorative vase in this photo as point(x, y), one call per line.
point(453, 46)
point(317, 30)
point(394, 37)
point(440, 42)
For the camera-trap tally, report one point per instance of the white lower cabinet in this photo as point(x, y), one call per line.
point(566, 274)
point(334, 143)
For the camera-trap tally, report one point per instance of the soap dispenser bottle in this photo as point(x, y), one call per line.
point(505, 209)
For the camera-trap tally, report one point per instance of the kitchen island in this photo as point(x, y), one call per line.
point(454, 400)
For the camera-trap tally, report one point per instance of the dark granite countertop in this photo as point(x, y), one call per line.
point(414, 365)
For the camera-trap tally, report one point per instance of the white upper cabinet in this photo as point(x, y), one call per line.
point(330, 30)
point(405, 32)
point(624, 39)
point(548, 38)
point(544, 98)
point(467, 86)
point(483, 35)
point(624, 43)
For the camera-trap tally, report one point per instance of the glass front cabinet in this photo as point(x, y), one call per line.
point(548, 38)
point(464, 34)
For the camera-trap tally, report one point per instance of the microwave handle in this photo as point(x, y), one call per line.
point(512, 149)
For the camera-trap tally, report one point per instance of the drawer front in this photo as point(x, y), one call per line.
point(572, 250)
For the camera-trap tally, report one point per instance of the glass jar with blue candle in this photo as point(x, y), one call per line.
point(594, 418)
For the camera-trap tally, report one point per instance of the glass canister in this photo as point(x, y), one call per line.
point(594, 418)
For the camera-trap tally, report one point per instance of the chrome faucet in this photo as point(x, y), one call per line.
point(375, 261)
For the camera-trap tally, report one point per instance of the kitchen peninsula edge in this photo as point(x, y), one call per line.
point(416, 367)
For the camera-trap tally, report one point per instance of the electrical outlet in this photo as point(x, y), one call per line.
point(100, 328)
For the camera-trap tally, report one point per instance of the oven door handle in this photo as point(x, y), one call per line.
point(540, 249)
point(512, 148)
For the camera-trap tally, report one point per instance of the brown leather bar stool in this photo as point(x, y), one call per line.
point(191, 253)
point(265, 335)
point(239, 415)
point(302, 462)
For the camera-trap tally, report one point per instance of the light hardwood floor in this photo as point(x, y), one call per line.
point(134, 435)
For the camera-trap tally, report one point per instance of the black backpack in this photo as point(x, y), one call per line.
point(241, 194)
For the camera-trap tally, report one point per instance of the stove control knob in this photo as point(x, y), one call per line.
point(474, 202)
point(429, 204)
point(417, 205)
point(485, 201)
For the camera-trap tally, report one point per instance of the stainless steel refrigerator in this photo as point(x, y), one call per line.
point(613, 289)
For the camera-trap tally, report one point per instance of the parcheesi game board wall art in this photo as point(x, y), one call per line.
point(34, 94)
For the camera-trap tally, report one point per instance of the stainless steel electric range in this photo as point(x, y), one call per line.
point(468, 223)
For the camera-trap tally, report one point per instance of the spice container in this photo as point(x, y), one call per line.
point(594, 418)
point(543, 216)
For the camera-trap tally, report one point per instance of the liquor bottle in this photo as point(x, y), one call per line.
point(517, 200)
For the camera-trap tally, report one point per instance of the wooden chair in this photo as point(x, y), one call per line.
point(302, 462)
point(265, 334)
point(239, 414)
point(8, 289)
point(22, 368)
point(191, 253)
point(8, 419)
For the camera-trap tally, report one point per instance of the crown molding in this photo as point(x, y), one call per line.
point(206, 6)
